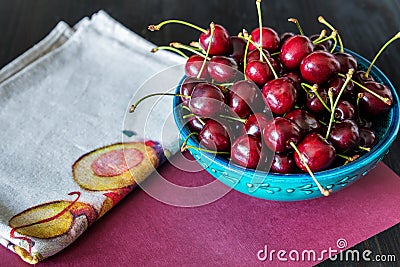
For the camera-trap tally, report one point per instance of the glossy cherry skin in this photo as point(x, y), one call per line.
point(194, 124)
point(318, 67)
point(294, 50)
point(222, 69)
point(244, 98)
point(317, 152)
point(187, 87)
point(206, 100)
point(270, 39)
point(367, 138)
point(255, 55)
point(193, 67)
point(214, 137)
point(246, 151)
point(344, 135)
point(279, 132)
point(295, 77)
point(283, 163)
point(370, 105)
point(314, 104)
point(280, 95)
point(359, 76)
point(344, 111)
point(305, 120)
point(238, 49)
point(255, 123)
point(221, 42)
point(346, 62)
point(337, 83)
point(259, 72)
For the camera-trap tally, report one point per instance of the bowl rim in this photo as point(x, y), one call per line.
point(360, 163)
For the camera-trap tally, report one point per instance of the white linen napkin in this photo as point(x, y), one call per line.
point(59, 103)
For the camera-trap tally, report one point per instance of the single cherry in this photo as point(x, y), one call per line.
point(344, 135)
point(279, 132)
point(238, 48)
point(259, 72)
point(318, 67)
point(344, 111)
point(283, 163)
point(256, 123)
point(214, 137)
point(246, 151)
point(318, 153)
point(314, 104)
point(294, 50)
point(280, 95)
point(346, 61)
point(336, 84)
point(370, 105)
point(305, 120)
point(244, 98)
point(206, 100)
point(270, 39)
point(360, 76)
point(193, 67)
point(368, 138)
point(194, 124)
point(221, 42)
point(222, 69)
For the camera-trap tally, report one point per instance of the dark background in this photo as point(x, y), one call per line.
point(364, 25)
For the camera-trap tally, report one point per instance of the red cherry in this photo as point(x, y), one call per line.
point(279, 132)
point(259, 72)
point(187, 87)
point(221, 42)
point(336, 83)
point(314, 104)
point(270, 39)
point(238, 48)
point(344, 135)
point(370, 105)
point(318, 153)
point(244, 98)
point(246, 151)
point(344, 110)
point(206, 100)
point(294, 50)
point(193, 67)
point(346, 61)
point(305, 120)
point(222, 69)
point(280, 95)
point(214, 136)
point(283, 163)
point(255, 123)
point(318, 67)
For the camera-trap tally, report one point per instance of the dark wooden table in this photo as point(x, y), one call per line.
point(363, 24)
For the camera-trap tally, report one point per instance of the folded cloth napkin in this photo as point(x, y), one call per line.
point(62, 107)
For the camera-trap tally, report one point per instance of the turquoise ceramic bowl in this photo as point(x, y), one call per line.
point(294, 187)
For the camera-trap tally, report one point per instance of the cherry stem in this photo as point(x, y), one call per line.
point(322, 122)
point(196, 45)
point(397, 36)
point(314, 89)
point(359, 96)
point(188, 48)
point(245, 56)
point(158, 26)
point(212, 27)
point(258, 4)
point(275, 54)
point(385, 100)
point(265, 57)
point(327, 24)
point(330, 94)
point(321, 35)
point(188, 116)
point(134, 106)
point(187, 108)
point(348, 159)
point(197, 117)
point(207, 150)
point(321, 189)
point(331, 36)
point(224, 84)
point(334, 45)
point(295, 21)
point(183, 146)
point(233, 118)
point(364, 148)
point(170, 49)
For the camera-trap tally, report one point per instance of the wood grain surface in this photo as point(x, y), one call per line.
point(364, 26)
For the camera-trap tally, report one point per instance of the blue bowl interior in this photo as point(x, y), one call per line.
point(386, 127)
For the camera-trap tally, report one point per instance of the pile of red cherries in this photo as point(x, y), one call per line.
point(299, 98)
